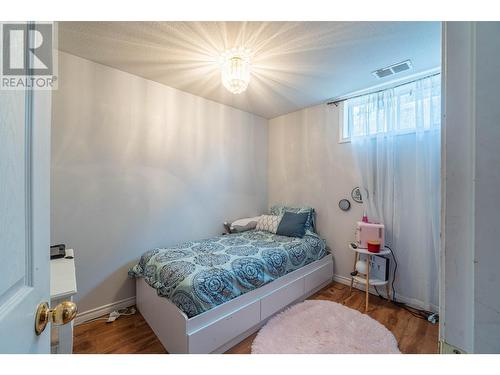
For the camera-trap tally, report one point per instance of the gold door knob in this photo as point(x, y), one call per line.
point(63, 313)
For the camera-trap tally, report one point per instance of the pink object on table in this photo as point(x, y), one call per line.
point(369, 232)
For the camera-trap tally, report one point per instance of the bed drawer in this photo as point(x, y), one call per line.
point(281, 298)
point(318, 277)
point(209, 338)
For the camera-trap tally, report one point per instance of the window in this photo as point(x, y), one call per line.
point(399, 110)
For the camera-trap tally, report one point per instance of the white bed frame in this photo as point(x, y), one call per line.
point(222, 327)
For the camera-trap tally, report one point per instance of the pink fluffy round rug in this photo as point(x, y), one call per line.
point(322, 327)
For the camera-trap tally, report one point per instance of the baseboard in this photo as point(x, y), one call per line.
point(85, 316)
point(409, 301)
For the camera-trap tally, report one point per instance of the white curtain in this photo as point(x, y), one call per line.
point(396, 141)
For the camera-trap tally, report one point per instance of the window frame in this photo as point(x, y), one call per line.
point(344, 130)
point(343, 124)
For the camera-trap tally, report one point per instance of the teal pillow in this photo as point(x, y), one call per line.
point(293, 224)
point(279, 209)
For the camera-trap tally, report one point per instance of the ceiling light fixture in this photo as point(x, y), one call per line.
point(235, 69)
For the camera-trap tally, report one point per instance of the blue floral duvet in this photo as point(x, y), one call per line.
point(199, 275)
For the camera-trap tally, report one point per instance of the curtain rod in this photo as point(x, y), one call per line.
point(336, 102)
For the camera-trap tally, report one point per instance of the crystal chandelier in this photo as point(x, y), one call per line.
point(235, 69)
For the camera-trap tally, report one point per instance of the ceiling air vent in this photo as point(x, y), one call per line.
point(392, 69)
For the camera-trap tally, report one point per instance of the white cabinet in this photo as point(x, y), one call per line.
point(62, 288)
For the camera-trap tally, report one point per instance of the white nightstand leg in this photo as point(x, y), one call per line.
point(368, 260)
point(353, 269)
point(388, 290)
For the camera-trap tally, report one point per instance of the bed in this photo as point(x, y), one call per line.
point(206, 296)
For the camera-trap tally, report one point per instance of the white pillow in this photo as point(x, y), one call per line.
point(242, 225)
point(269, 223)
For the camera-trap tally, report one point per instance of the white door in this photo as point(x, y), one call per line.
point(24, 218)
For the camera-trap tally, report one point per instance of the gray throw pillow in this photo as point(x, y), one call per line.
point(293, 224)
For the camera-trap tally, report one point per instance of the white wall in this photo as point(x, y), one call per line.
point(137, 165)
point(457, 273)
point(487, 188)
point(470, 299)
point(307, 166)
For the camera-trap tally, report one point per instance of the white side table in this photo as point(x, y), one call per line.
point(365, 279)
point(62, 288)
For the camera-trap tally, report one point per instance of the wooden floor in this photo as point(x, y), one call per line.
point(131, 334)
